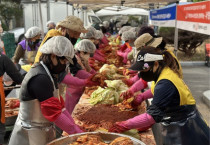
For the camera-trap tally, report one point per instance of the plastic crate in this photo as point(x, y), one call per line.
point(9, 44)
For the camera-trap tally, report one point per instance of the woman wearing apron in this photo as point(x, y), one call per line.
point(173, 104)
point(27, 48)
point(6, 65)
point(40, 104)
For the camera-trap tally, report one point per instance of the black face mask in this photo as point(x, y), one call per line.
point(73, 40)
point(97, 46)
point(33, 43)
point(56, 69)
point(147, 76)
point(92, 54)
point(37, 41)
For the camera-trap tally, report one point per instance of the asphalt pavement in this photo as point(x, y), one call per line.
point(197, 79)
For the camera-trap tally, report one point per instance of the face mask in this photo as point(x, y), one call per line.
point(147, 76)
point(37, 41)
point(97, 46)
point(123, 42)
point(73, 40)
point(31, 43)
point(92, 54)
point(56, 69)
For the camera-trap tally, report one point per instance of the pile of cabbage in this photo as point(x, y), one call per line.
point(111, 71)
point(109, 95)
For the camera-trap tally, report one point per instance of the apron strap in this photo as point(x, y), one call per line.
point(2, 100)
point(48, 72)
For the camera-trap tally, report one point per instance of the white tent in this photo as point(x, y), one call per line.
point(110, 11)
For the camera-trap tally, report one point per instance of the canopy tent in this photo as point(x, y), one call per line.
point(110, 11)
point(98, 4)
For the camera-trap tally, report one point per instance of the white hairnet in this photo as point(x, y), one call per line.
point(86, 45)
point(99, 35)
point(128, 35)
point(33, 32)
point(124, 29)
point(135, 30)
point(106, 24)
point(60, 46)
point(90, 34)
point(50, 22)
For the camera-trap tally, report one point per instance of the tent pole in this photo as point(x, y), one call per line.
point(176, 32)
point(41, 20)
point(48, 10)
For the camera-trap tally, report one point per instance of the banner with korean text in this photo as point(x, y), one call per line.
point(194, 17)
point(164, 17)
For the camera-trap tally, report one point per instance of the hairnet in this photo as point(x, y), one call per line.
point(50, 22)
point(124, 28)
point(60, 46)
point(33, 32)
point(90, 34)
point(135, 30)
point(128, 35)
point(106, 24)
point(99, 35)
point(86, 45)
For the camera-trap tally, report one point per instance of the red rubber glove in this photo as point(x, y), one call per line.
point(126, 95)
point(90, 83)
point(119, 127)
point(128, 82)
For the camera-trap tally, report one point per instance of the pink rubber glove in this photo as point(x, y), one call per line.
point(92, 71)
point(134, 79)
point(99, 57)
point(125, 57)
point(104, 40)
point(66, 124)
point(99, 53)
point(141, 97)
point(72, 98)
point(73, 81)
point(82, 74)
point(139, 85)
point(141, 122)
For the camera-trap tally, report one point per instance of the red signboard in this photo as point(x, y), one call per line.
point(196, 12)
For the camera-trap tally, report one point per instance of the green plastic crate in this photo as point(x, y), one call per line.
point(9, 44)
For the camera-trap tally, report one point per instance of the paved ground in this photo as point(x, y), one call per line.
point(198, 80)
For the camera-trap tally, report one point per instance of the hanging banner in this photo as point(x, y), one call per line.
point(163, 17)
point(194, 17)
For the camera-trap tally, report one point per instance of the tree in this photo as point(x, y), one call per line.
point(198, 0)
point(187, 41)
point(9, 9)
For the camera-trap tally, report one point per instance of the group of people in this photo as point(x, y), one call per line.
point(173, 105)
point(59, 70)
